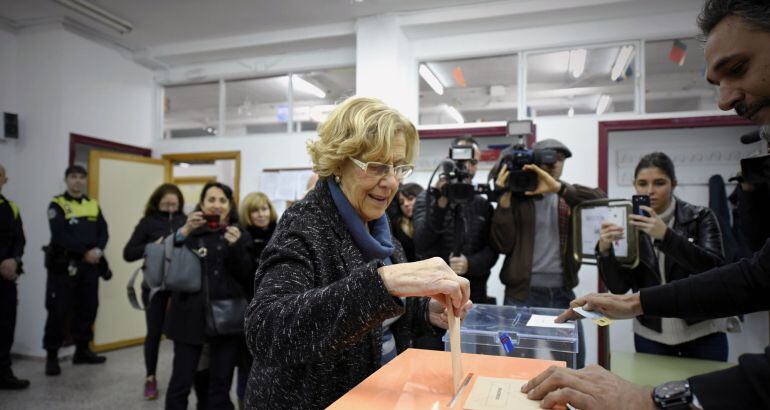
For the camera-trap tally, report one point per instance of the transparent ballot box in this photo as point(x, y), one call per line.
point(518, 332)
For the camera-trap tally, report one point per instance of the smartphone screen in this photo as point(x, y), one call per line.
point(637, 201)
point(211, 220)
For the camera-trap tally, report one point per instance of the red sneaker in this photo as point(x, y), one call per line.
point(151, 389)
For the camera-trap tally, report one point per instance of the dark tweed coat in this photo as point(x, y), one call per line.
point(314, 325)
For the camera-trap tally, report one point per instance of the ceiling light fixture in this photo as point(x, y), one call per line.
point(431, 79)
point(577, 62)
point(98, 14)
point(603, 104)
point(299, 83)
point(455, 114)
point(621, 62)
point(571, 112)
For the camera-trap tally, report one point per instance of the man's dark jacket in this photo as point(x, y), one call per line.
point(734, 289)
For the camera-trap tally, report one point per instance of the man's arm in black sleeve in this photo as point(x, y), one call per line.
point(738, 288)
point(104, 236)
point(17, 247)
point(744, 386)
point(60, 235)
point(134, 249)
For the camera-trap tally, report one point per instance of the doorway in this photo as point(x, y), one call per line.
point(191, 171)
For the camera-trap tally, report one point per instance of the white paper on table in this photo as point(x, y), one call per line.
point(268, 184)
point(492, 393)
point(547, 321)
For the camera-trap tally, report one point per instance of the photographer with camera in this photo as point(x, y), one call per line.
point(452, 221)
point(532, 217)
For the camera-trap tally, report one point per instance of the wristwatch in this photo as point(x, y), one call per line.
point(673, 395)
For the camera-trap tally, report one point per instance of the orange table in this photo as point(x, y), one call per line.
point(422, 379)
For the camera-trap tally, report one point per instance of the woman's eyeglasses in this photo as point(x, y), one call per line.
point(379, 170)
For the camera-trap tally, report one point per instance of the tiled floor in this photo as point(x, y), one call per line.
point(116, 385)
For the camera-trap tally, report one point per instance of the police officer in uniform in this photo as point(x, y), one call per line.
point(74, 262)
point(11, 248)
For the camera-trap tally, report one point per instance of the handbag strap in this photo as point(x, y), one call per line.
point(132, 299)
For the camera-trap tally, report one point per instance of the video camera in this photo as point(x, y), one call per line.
point(458, 188)
point(519, 180)
point(756, 169)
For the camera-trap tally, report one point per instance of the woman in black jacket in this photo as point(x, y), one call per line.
point(211, 232)
point(677, 240)
point(162, 217)
point(333, 299)
point(400, 214)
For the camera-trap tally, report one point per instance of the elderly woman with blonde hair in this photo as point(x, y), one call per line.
point(334, 300)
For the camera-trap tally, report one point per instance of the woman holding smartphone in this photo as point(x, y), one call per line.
point(213, 233)
point(677, 239)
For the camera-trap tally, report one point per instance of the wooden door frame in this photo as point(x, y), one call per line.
point(93, 191)
point(93, 170)
point(207, 156)
point(98, 142)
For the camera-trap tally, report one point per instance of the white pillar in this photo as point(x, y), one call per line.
point(385, 67)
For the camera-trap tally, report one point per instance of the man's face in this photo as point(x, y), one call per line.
point(472, 165)
point(76, 183)
point(557, 168)
point(738, 61)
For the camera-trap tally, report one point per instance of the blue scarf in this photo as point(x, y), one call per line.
point(375, 244)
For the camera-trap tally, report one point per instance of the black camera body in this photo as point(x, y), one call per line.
point(519, 180)
point(458, 188)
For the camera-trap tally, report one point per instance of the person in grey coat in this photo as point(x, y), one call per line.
point(333, 300)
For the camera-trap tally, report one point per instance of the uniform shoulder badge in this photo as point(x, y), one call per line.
point(51, 213)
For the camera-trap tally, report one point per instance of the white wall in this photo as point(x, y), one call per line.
point(385, 67)
point(8, 92)
point(70, 85)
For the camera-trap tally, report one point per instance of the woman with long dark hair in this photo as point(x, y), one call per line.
point(213, 233)
point(400, 214)
point(162, 217)
point(677, 239)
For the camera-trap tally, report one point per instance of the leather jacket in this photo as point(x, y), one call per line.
point(692, 246)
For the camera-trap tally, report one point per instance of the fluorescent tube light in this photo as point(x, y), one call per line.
point(184, 164)
point(621, 62)
point(431, 79)
point(303, 85)
point(571, 112)
point(452, 111)
point(577, 62)
point(603, 104)
point(98, 14)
